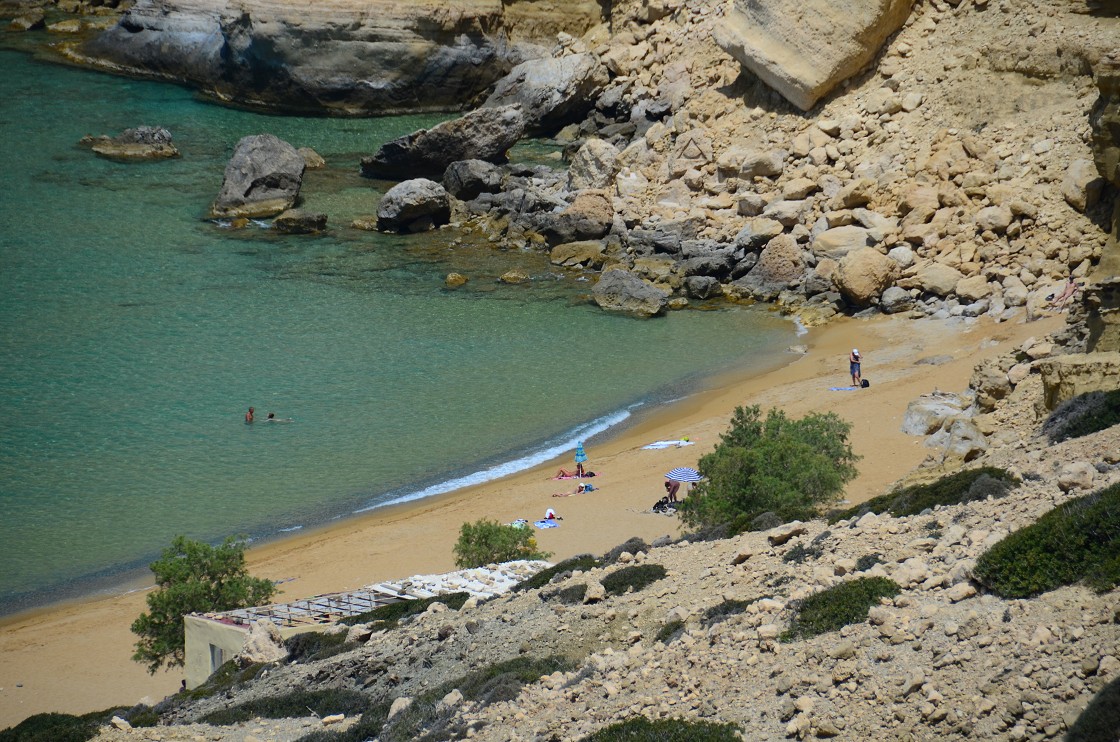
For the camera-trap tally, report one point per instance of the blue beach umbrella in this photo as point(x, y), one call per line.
point(580, 455)
point(684, 474)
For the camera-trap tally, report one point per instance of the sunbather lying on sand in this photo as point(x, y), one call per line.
point(583, 487)
point(574, 474)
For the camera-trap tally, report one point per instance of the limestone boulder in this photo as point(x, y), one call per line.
point(594, 166)
point(622, 291)
point(485, 134)
point(960, 440)
point(837, 242)
point(552, 92)
point(973, 288)
point(895, 300)
point(467, 179)
point(804, 48)
point(1069, 376)
point(589, 217)
point(863, 275)
point(263, 644)
point(262, 178)
point(1076, 475)
point(757, 232)
point(701, 287)
point(993, 219)
point(932, 278)
point(586, 253)
point(1081, 186)
point(1104, 120)
point(990, 383)
point(928, 413)
point(779, 266)
point(414, 206)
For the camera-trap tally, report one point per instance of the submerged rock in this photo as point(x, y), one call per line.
point(298, 221)
point(140, 143)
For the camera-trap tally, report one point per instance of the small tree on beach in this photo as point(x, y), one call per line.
point(489, 542)
point(193, 577)
point(787, 467)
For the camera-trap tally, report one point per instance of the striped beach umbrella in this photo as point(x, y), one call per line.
point(580, 455)
point(684, 474)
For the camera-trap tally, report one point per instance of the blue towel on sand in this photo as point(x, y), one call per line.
point(546, 524)
point(842, 388)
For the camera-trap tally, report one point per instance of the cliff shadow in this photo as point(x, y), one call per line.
point(1100, 721)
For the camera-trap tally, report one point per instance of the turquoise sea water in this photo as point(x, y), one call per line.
point(134, 334)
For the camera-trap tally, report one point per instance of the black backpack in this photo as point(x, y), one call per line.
point(864, 383)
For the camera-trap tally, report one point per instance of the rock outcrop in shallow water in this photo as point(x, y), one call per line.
point(337, 56)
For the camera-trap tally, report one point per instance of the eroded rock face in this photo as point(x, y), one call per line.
point(804, 48)
point(262, 178)
point(552, 92)
point(378, 56)
point(1069, 376)
point(485, 134)
point(1105, 122)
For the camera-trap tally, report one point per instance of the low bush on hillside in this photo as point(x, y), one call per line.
point(367, 728)
point(636, 578)
point(388, 616)
point(867, 561)
point(963, 486)
point(771, 465)
point(631, 546)
point(578, 563)
point(489, 542)
point(53, 727)
point(1082, 415)
point(224, 678)
point(724, 610)
point(838, 606)
point(641, 729)
point(1078, 541)
point(669, 631)
point(316, 645)
point(1100, 720)
point(571, 595)
point(799, 553)
point(293, 705)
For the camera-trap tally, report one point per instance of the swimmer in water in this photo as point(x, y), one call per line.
point(273, 419)
point(249, 417)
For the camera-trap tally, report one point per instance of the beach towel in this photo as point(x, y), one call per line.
point(570, 476)
point(547, 524)
point(667, 444)
point(519, 523)
point(842, 388)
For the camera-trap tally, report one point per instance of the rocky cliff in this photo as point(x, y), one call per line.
point(337, 56)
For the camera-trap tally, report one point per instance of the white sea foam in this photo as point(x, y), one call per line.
point(551, 451)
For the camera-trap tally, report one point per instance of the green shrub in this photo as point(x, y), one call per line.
point(799, 553)
point(1082, 415)
point(51, 728)
point(224, 678)
point(867, 561)
point(635, 577)
point(1100, 719)
point(316, 645)
point(388, 616)
point(293, 705)
point(368, 727)
point(669, 631)
point(787, 467)
point(570, 595)
point(580, 563)
point(727, 608)
point(193, 577)
point(641, 729)
point(838, 606)
point(141, 715)
point(964, 486)
point(1077, 541)
point(633, 546)
point(489, 542)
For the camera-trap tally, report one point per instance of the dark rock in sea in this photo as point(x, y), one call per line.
point(467, 179)
point(701, 287)
point(140, 143)
point(552, 92)
point(622, 291)
point(298, 221)
point(414, 206)
point(485, 134)
point(262, 178)
point(30, 20)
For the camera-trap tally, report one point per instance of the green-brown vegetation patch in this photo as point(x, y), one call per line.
point(578, 563)
point(964, 486)
point(641, 729)
point(294, 705)
point(388, 616)
point(838, 606)
point(316, 645)
point(632, 578)
point(1078, 541)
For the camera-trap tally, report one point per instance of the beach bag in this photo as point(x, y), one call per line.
point(865, 383)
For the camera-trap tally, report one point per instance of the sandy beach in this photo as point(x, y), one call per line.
point(75, 658)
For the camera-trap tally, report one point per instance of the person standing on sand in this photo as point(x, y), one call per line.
point(249, 417)
point(854, 361)
point(671, 489)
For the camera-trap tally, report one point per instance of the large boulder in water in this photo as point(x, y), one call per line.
point(552, 92)
point(485, 134)
point(622, 291)
point(467, 179)
point(589, 217)
point(805, 48)
point(263, 178)
point(414, 206)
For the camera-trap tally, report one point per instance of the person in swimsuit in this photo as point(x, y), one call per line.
point(854, 361)
point(249, 417)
